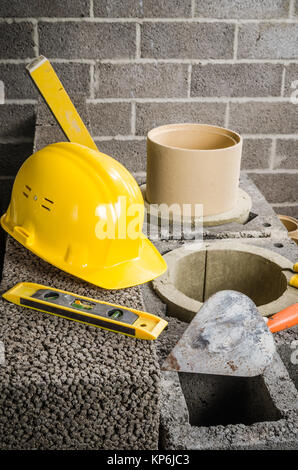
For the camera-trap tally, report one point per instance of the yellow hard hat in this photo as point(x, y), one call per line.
point(62, 197)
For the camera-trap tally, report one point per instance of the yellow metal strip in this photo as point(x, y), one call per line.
point(49, 85)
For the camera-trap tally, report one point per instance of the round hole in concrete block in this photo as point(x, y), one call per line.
point(194, 275)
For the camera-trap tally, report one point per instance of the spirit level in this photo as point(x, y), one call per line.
point(54, 94)
point(105, 315)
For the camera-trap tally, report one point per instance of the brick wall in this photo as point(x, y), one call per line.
point(143, 63)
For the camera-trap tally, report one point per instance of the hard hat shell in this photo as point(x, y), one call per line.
point(60, 195)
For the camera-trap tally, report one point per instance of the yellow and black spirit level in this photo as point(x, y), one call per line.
point(105, 315)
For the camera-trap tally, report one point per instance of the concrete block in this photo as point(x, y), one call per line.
point(17, 83)
point(267, 41)
point(143, 9)
point(46, 135)
point(68, 385)
point(17, 120)
point(238, 9)
point(110, 118)
point(286, 154)
point(255, 153)
point(77, 8)
point(187, 40)
point(131, 153)
point(12, 156)
point(140, 80)
point(292, 211)
point(79, 40)
point(236, 80)
point(296, 8)
point(291, 75)
point(277, 187)
point(150, 115)
point(264, 118)
point(16, 40)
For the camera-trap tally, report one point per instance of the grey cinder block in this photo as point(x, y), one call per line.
point(140, 80)
point(286, 154)
point(187, 40)
point(17, 120)
point(110, 118)
point(264, 118)
point(142, 9)
point(149, 115)
point(239, 9)
point(292, 211)
point(291, 76)
point(255, 153)
point(236, 80)
point(12, 156)
point(76, 40)
point(268, 41)
point(25, 9)
point(277, 187)
point(131, 153)
point(16, 40)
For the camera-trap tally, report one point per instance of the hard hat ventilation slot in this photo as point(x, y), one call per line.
point(25, 194)
point(27, 187)
point(45, 207)
point(48, 200)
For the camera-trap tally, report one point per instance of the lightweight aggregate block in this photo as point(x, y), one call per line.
point(267, 41)
point(65, 385)
point(277, 187)
point(16, 40)
point(140, 80)
point(255, 153)
point(237, 9)
point(77, 8)
point(17, 120)
point(236, 80)
point(87, 40)
point(143, 9)
point(187, 40)
point(264, 118)
point(286, 154)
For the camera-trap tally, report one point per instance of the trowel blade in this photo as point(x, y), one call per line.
point(228, 336)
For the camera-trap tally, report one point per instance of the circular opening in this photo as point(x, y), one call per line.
point(266, 224)
point(289, 224)
point(194, 137)
point(200, 275)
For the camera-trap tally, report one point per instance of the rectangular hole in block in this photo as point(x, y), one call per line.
point(221, 400)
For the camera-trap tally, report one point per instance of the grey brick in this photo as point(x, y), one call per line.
point(187, 40)
point(268, 41)
point(264, 118)
point(292, 211)
point(110, 118)
point(25, 9)
point(142, 9)
point(80, 40)
point(17, 120)
point(46, 135)
point(242, 9)
point(286, 154)
point(140, 80)
point(131, 153)
point(17, 82)
point(5, 192)
point(277, 187)
point(291, 75)
point(12, 156)
point(255, 153)
point(16, 40)
point(296, 8)
point(236, 80)
point(150, 115)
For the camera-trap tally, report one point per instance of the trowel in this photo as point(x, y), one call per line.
point(228, 336)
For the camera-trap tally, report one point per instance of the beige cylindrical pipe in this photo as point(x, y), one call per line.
point(291, 225)
point(193, 164)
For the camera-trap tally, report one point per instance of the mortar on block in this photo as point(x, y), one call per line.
point(194, 274)
point(195, 164)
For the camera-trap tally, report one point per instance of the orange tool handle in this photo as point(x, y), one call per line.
point(284, 319)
